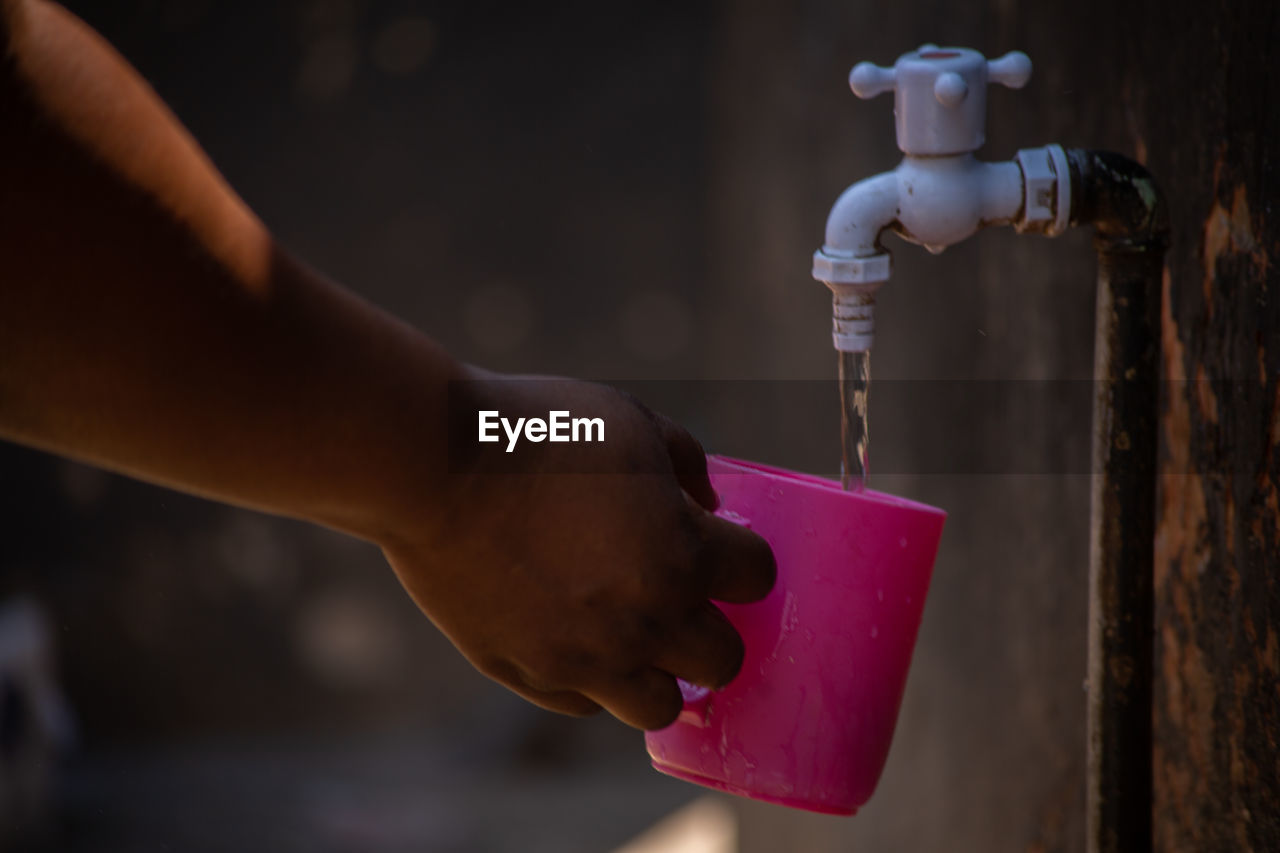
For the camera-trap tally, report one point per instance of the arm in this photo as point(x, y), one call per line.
point(150, 324)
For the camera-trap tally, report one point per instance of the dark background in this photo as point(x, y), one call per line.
point(632, 191)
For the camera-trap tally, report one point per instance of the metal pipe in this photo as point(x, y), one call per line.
point(1131, 232)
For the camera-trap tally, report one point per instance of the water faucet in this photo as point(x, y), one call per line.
point(940, 193)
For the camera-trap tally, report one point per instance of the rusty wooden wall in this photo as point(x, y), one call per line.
point(1213, 131)
point(989, 751)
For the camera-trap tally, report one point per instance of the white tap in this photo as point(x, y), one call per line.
point(940, 193)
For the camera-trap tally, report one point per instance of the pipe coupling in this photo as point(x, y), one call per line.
point(834, 270)
point(1046, 191)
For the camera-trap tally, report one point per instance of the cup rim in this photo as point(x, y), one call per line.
point(744, 466)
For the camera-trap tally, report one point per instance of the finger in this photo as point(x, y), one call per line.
point(689, 461)
point(514, 679)
point(561, 701)
point(739, 564)
point(649, 699)
point(706, 650)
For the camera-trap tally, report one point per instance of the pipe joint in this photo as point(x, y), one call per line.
point(835, 271)
point(1119, 198)
point(1046, 191)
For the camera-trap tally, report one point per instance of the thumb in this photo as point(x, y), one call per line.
point(689, 461)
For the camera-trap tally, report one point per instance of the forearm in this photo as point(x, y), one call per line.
point(148, 322)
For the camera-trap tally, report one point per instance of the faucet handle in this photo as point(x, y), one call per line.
point(940, 95)
point(1012, 70)
point(868, 79)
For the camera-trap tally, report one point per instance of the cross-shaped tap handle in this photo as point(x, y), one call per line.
point(940, 95)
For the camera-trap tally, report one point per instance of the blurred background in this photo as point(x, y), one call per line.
point(631, 192)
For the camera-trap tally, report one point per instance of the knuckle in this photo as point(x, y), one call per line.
point(668, 583)
point(562, 667)
point(581, 707)
point(644, 630)
point(497, 668)
point(631, 644)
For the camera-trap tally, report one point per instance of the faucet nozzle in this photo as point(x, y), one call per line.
point(853, 321)
point(853, 282)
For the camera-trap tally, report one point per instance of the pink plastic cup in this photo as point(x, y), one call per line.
point(809, 719)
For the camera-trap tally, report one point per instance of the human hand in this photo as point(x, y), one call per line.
point(582, 576)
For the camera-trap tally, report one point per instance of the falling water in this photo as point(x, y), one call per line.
point(855, 383)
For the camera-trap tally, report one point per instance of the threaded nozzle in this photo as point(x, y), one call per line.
point(853, 321)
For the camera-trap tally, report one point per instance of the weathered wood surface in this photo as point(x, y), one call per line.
point(1217, 698)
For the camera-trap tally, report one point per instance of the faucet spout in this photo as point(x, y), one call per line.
point(860, 215)
point(934, 202)
point(852, 263)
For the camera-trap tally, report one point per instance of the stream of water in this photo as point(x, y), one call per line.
point(855, 384)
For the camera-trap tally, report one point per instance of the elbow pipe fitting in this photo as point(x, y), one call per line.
point(1119, 198)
